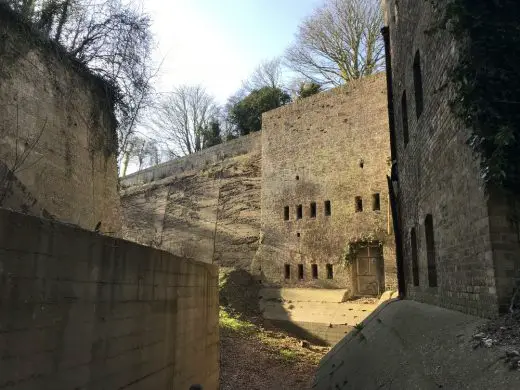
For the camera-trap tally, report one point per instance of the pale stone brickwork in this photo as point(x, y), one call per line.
point(55, 104)
point(476, 251)
point(206, 207)
point(333, 147)
point(195, 162)
point(83, 310)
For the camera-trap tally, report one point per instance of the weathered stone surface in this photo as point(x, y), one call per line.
point(57, 128)
point(477, 252)
point(334, 147)
point(209, 211)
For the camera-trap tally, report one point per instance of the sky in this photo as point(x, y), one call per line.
point(219, 43)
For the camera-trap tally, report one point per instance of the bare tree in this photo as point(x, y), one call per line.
point(339, 42)
point(268, 74)
point(181, 117)
point(143, 151)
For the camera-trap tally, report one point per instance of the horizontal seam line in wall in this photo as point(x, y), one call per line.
point(102, 282)
point(82, 323)
point(146, 377)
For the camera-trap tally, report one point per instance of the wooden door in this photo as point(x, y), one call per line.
point(367, 273)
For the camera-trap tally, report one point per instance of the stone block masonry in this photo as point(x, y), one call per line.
point(80, 310)
point(460, 250)
point(324, 165)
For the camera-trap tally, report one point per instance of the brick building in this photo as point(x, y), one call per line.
point(459, 249)
point(325, 161)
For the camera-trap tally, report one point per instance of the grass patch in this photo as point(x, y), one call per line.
point(288, 355)
point(234, 323)
point(359, 326)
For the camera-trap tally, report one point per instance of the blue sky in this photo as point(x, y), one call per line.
point(218, 43)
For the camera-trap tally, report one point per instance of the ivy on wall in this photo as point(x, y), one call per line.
point(487, 83)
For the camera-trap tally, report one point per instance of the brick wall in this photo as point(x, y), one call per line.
point(57, 127)
point(438, 173)
point(311, 152)
point(81, 310)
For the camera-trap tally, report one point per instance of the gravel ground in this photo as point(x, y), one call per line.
point(503, 331)
point(263, 360)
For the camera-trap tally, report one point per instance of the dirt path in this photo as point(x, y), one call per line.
point(255, 359)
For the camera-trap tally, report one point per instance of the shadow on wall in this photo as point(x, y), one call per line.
point(240, 291)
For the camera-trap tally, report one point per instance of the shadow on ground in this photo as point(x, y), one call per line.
point(253, 356)
point(240, 293)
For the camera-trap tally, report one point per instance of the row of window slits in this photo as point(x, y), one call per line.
point(428, 222)
point(314, 271)
point(376, 206)
point(376, 203)
point(430, 253)
point(312, 210)
point(419, 97)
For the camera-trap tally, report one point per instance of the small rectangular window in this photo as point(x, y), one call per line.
point(315, 271)
point(300, 271)
point(415, 262)
point(418, 85)
point(404, 118)
point(430, 251)
point(313, 210)
point(328, 209)
point(376, 202)
point(299, 212)
point(287, 271)
point(359, 204)
point(330, 272)
point(286, 213)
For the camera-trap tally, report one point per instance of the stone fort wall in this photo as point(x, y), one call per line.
point(83, 310)
point(475, 249)
point(195, 162)
point(332, 147)
point(57, 130)
point(204, 206)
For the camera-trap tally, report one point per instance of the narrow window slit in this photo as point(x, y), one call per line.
point(328, 209)
point(359, 204)
point(313, 210)
point(286, 213)
point(376, 202)
point(430, 251)
point(330, 272)
point(315, 271)
point(287, 271)
point(404, 117)
point(418, 84)
point(415, 262)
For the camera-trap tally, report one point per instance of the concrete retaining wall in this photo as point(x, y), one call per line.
point(81, 310)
